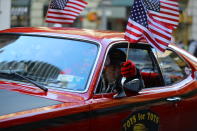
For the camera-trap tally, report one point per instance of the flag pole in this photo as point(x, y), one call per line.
point(127, 55)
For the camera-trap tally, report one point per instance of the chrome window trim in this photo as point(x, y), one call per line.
point(174, 50)
point(173, 87)
point(193, 58)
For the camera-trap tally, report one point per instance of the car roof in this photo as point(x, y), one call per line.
point(87, 34)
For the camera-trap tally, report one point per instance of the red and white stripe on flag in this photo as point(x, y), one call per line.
point(68, 14)
point(160, 25)
point(169, 13)
point(157, 35)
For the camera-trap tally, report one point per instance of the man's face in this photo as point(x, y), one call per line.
point(112, 72)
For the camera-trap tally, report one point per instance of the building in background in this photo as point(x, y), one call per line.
point(28, 12)
point(38, 12)
point(110, 14)
point(183, 33)
point(5, 6)
point(20, 13)
point(99, 14)
point(192, 18)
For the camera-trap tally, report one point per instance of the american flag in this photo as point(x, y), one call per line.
point(153, 20)
point(64, 11)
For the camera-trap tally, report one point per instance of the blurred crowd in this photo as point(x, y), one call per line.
point(191, 47)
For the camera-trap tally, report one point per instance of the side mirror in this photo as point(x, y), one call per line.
point(133, 85)
point(121, 93)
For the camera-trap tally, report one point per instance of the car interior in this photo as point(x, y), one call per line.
point(143, 57)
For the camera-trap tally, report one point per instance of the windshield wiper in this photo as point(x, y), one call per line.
point(10, 72)
point(31, 81)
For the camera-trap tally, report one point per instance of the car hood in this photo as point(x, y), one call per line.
point(21, 101)
point(12, 102)
point(17, 97)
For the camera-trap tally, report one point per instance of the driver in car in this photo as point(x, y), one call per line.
point(115, 69)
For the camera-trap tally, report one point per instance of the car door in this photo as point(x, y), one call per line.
point(147, 110)
point(188, 107)
point(180, 76)
point(150, 109)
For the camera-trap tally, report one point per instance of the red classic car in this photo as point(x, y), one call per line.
point(55, 79)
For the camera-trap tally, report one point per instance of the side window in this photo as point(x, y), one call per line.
point(142, 57)
point(146, 65)
point(172, 66)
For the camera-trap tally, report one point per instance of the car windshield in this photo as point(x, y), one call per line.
point(54, 62)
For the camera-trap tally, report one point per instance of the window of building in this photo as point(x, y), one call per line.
point(20, 13)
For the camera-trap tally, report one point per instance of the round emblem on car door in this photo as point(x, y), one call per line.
point(144, 120)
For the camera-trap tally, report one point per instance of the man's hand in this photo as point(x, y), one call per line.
point(128, 69)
